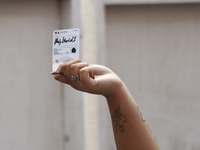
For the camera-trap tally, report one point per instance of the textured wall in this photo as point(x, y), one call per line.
point(114, 2)
point(155, 50)
point(30, 99)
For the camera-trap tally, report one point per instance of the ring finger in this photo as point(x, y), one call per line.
point(74, 70)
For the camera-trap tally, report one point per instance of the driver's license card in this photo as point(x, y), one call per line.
point(65, 47)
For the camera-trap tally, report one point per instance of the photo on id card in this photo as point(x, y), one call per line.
point(65, 46)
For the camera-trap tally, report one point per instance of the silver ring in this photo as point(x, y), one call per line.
point(75, 77)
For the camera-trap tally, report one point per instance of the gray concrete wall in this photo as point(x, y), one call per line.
point(156, 55)
point(117, 2)
point(155, 50)
point(73, 104)
point(30, 100)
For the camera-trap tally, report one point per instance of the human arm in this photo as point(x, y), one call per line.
point(130, 129)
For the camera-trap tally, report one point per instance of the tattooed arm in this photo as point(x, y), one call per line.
point(129, 126)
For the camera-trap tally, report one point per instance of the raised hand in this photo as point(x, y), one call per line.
point(95, 79)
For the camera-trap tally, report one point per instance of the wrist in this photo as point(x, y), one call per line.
point(119, 91)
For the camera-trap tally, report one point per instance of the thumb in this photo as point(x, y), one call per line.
point(61, 78)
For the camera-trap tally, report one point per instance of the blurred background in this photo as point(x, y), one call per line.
point(153, 45)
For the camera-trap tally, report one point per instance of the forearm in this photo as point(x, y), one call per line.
point(130, 128)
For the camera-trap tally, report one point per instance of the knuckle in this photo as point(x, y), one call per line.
point(62, 66)
point(72, 66)
point(82, 71)
point(85, 63)
point(78, 60)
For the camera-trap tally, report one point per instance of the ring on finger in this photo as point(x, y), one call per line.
point(75, 77)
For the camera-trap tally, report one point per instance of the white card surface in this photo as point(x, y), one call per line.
point(65, 46)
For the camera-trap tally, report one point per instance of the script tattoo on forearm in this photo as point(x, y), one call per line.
point(119, 120)
point(144, 120)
